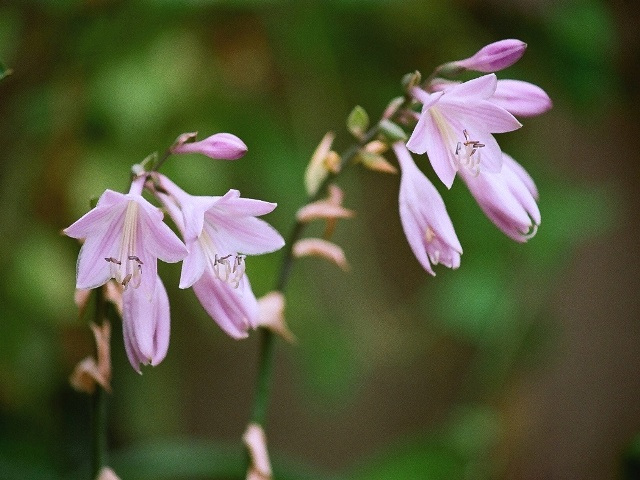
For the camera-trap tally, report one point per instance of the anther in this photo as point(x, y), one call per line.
point(133, 257)
point(113, 260)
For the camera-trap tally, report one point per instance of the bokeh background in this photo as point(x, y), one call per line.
point(522, 364)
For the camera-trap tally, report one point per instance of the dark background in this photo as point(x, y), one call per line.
point(522, 364)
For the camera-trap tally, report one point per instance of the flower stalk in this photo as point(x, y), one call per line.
point(99, 401)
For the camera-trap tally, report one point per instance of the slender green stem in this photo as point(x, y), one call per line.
point(267, 339)
point(99, 403)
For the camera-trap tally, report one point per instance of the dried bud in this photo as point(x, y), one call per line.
point(375, 162)
point(494, 57)
point(221, 146)
point(321, 248)
point(256, 442)
point(317, 170)
point(271, 315)
point(88, 372)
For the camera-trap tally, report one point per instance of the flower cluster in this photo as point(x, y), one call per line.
point(124, 236)
point(455, 129)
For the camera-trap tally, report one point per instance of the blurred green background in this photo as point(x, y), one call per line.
point(522, 364)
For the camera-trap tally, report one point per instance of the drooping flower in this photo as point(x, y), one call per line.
point(456, 125)
point(146, 325)
point(424, 217)
point(221, 146)
point(508, 198)
point(124, 235)
point(494, 57)
point(219, 233)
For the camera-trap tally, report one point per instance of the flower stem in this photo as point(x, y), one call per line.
point(267, 338)
point(99, 403)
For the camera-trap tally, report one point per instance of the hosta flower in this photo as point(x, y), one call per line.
point(456, 125)
point(124, 235)
point(219, 233)
point(424, 217)
point(508, 198)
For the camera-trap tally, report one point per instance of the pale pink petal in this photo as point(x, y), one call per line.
point(522, 99)
point(146, 325)
point(92, 269)
point(158, 236)
point(493, 118)
point(440, 155)
point(107, 474)
point(193, 265)
point(481, 88)
point(233, 204)
point(521, 173)
point(162, 322)
point(427, 99)
point(231, 308)
point(321, 248)
point(249, 235)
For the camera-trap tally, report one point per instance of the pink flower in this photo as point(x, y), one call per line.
point(424, 217)
point(495, 56)
point(508, 198)
point(124, 235)
point(223, 146)
point(455, 128)
point(219, 233)
point(522, 99)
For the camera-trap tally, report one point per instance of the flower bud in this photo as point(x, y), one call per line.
point(222, 146)
point(495, 56)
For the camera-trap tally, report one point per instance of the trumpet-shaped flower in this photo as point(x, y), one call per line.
point(424, 217)
point(219, 233)
point(508, 198)
point(456, 125)
point(124, 235)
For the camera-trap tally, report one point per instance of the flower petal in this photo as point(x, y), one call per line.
point(233, 310)
point(520, 98)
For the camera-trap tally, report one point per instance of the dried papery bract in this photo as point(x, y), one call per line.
point(90, 372)
point(317, 247)
point(271, 315)
point(317, 170)
point(255, 440)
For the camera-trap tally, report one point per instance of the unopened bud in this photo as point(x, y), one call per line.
point(495, 56)
point(221, 146)
point(358, 122)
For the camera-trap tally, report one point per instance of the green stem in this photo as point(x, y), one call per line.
point(99, 404)
point(267, 343)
